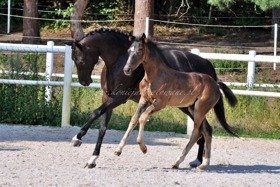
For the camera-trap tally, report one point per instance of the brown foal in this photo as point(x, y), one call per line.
point(163, 86)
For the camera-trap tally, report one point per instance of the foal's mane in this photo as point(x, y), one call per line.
point(153, 46)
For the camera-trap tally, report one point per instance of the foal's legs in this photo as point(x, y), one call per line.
point(201, 107)
point(132, 124)
point(189, 111)
point(142, 122)
point(196, 133)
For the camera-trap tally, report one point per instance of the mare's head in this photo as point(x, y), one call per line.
point(108, 44)
point(136, 54)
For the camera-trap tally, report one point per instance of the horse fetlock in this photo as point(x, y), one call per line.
point(118, 152)
point(76, 142)
point(195, 163)
point(92, 162)
point(90, 166)
point(175, 166)
point(204, 165)
point(143, 148)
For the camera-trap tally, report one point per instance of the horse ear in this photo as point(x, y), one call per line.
point(144, 38)
point(131, 38)
point(77, 44)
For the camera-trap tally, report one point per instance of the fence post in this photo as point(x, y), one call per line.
point(251, 70)
point(275, 42)
point(190, 123)
point(9, 17)
point(49, 69)
point(66, 102)
point(147, 25)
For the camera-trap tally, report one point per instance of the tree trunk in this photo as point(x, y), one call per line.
point(31, 32)
point(143, 9)
point(276, 18)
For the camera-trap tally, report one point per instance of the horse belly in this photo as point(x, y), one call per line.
point(181, 100)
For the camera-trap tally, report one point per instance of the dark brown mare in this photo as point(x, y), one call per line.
point(163, 86)
point(112, 46)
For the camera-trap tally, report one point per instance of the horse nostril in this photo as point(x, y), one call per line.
point(127, 71)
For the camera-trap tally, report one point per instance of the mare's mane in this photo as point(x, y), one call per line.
point(103, 30)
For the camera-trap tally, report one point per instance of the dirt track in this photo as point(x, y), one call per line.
point(42, 156)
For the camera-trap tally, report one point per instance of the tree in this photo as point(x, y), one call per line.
point(31, 32)
point(143, 9)
point(265, 5)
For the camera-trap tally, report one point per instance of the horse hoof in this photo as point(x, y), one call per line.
point(118, 153)
point(174, 167)
point(90, 166)
point(76, 142)
point(201, 168)
point(144, 150)
point(195, 163)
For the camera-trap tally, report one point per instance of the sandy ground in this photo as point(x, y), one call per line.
point(42, 156)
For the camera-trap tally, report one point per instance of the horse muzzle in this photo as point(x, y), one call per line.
point(86, 83)
point(127, 71)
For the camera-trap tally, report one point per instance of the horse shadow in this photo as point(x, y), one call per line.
point(235, 169)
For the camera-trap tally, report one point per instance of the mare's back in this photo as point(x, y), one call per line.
point(188, 62)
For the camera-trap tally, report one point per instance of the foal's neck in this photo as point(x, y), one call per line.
point(154, 66)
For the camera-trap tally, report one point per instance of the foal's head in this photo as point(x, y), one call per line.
point(136, 54)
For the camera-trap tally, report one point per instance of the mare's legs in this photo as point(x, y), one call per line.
point(106, 110)
point(102, 131)
point(132, 124)
point(108, 105)
point(207, 133)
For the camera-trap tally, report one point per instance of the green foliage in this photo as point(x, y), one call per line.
point(221, 4)
point(267, 4)
point(108, 9)
point(263, 4)
point(25, 104)
point(61, 15)
point(223, 66)
point(65, 15)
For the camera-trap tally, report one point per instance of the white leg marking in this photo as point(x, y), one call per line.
point(75, 138)
point(92, 160)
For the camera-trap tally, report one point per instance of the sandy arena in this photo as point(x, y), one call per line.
point(43, 156)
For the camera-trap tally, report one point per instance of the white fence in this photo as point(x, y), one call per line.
point(68, 68)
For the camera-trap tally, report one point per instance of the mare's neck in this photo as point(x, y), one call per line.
point(110, 50)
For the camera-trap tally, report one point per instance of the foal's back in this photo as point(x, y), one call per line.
point(182, 89)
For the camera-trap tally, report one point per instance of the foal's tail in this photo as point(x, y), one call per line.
point(219, 108)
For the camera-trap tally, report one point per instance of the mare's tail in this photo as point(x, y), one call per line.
point(219, 108)
point(231, 98)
